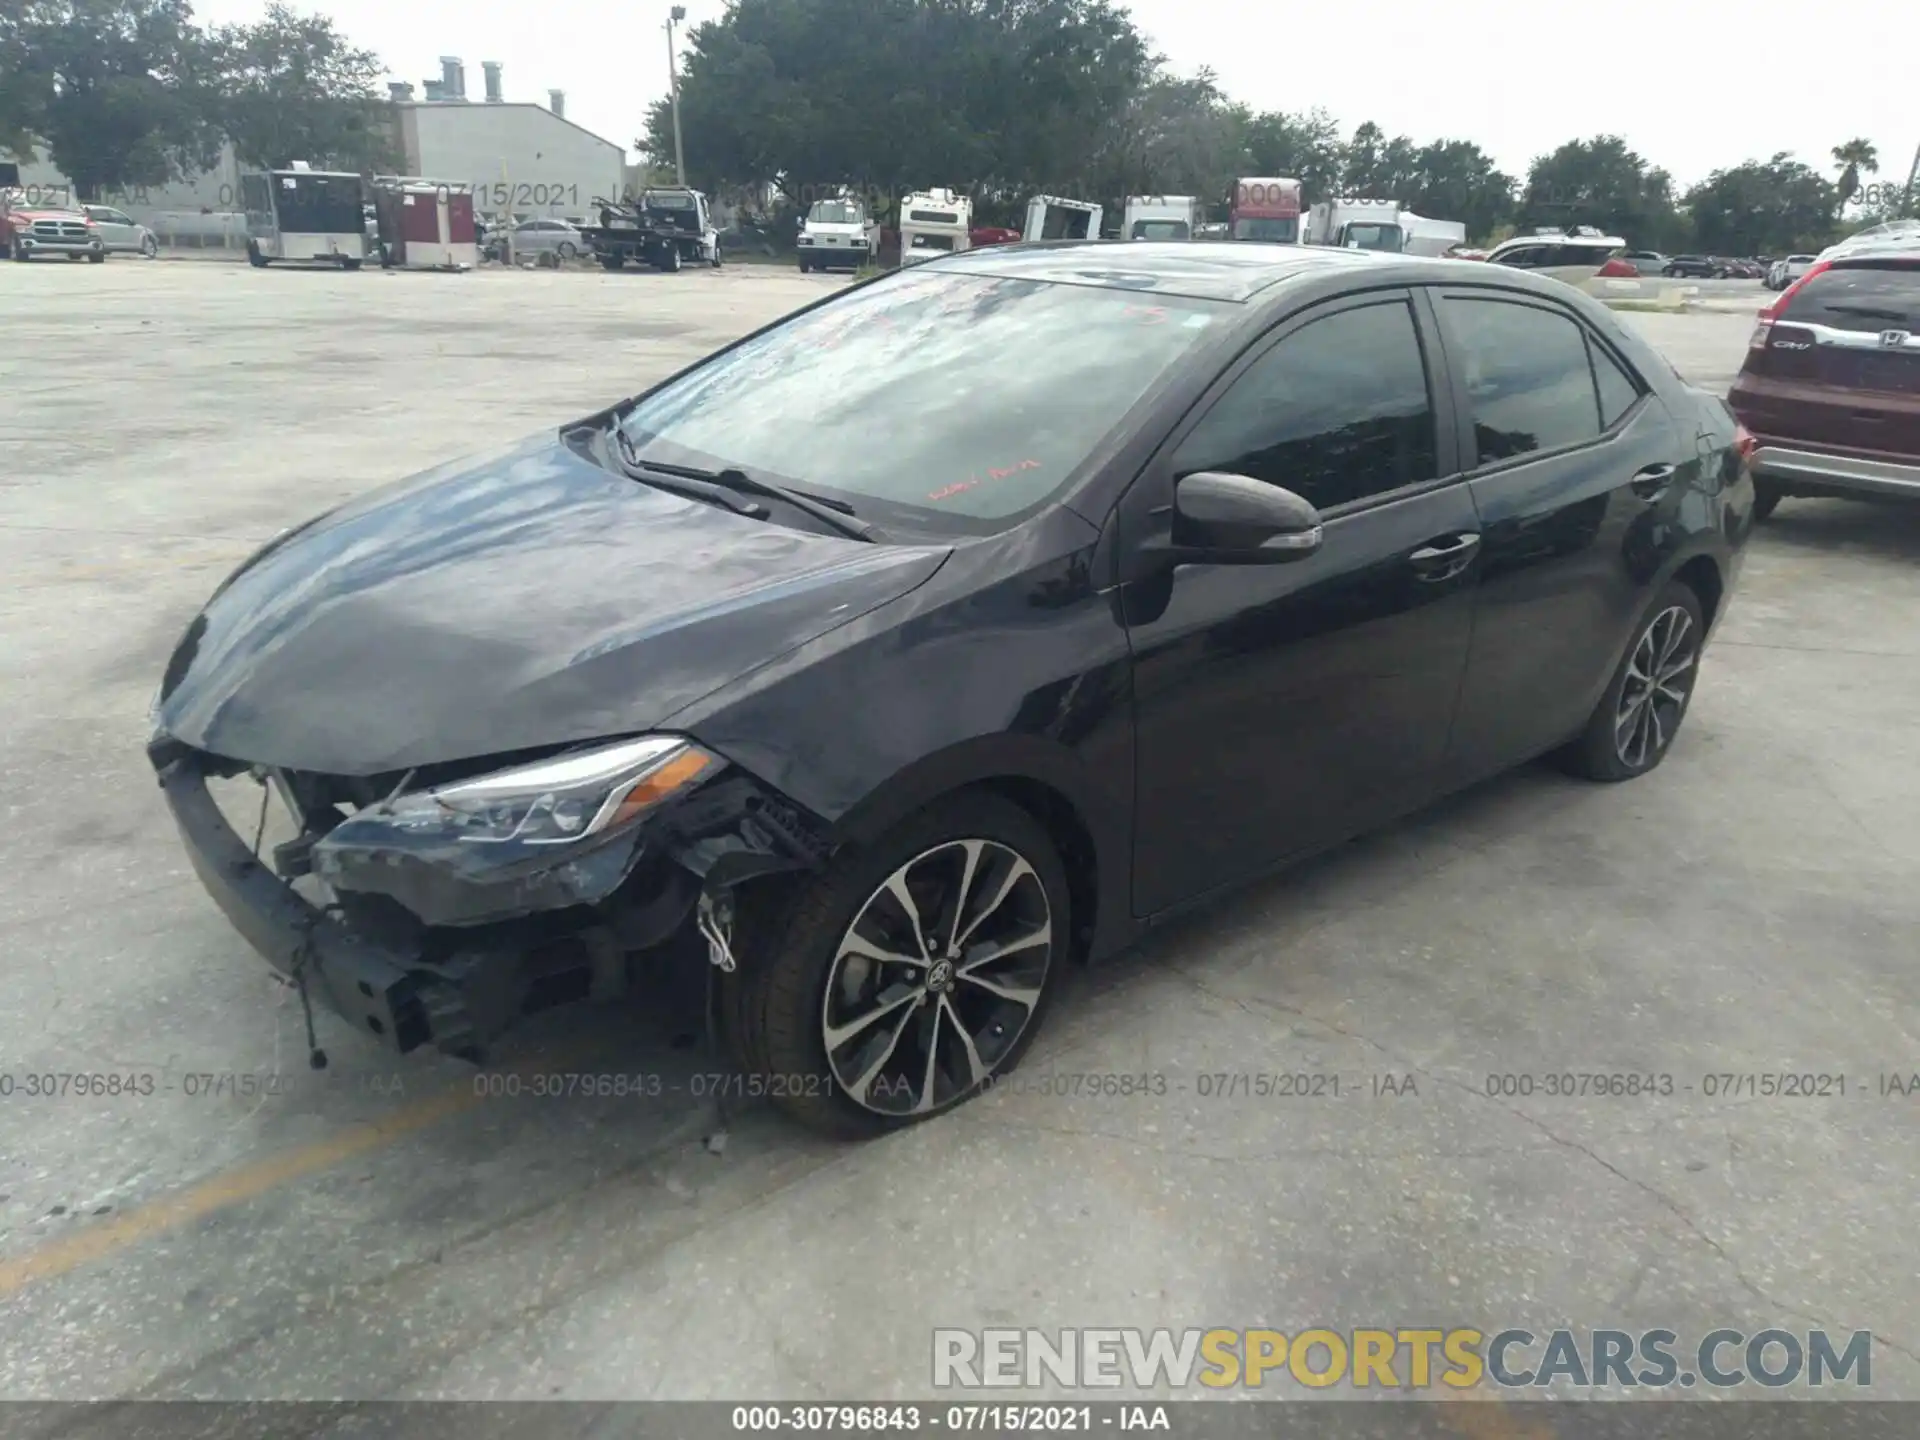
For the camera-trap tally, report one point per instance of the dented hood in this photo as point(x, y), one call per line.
point(530, 598)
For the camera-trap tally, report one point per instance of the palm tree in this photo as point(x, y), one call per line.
point(1852, 158)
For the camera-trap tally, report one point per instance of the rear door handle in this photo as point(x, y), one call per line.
point(1445, 557)
point(1650, 480)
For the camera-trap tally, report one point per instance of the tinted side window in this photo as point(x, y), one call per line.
point(1337, 411)
point(1529, 383)
point(1618, 392)
point(1525, 258)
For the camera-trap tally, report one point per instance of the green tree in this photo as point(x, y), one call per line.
point(1853, 159)
point(1457, 180)
point(1174, 136)
point(1305, 147)
point(1602, 183)
point(114, 90)
point(290, 87)
point(1767, 207)
point(898, 94)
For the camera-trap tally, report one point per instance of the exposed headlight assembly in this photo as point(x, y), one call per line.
point(530, 810)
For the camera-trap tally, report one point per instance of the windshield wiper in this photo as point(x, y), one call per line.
point(1871, 312)
point(690, 487)
point(829, 512)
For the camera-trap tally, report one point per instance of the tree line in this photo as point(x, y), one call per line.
point(1001, 99)
point(119, 94)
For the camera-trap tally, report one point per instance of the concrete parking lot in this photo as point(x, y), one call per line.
point(253, 1228)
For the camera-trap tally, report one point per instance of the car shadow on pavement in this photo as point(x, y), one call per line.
point(1881, 528)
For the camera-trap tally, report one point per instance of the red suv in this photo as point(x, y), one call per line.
point(1831, 385)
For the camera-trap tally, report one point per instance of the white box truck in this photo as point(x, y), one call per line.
point(1049, 217)
point(1162, 217)
point(934, 223)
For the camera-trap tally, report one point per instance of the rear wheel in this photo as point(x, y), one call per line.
point(611, 262)
point(907, 977)
point(566, 250)
point(1634, 725)
point(149, 246)
point(254, 257)
point(349, 264)
point(1767, 496)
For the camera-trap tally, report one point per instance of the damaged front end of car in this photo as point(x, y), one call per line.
point(455, 900)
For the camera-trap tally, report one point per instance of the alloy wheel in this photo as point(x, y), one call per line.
point(937, 978)
point(1654, 694)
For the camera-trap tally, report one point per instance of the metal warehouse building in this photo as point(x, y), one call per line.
point(519, 157)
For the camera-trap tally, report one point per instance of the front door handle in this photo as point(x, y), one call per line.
point(1651, 480)
point(1446, 557)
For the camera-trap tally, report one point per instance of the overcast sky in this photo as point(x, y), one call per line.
point(1693, 85)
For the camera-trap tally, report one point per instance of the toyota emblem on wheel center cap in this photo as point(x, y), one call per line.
point(940, 977)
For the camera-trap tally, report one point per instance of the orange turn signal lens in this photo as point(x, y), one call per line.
point(656, 785)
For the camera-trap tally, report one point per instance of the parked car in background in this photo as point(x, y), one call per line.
point(43, 232)
point(121, 232)
point(540, 235)
point(1571, 256)
point(1746, 269)
point(1783, 273)
point(1694, 267)
point(983, 235)
point(1366, 535)
point(1646, 262)
point(1831, 384)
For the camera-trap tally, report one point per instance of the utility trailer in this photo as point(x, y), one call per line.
point(664, 228)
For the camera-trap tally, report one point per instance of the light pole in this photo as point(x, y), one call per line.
point(678, 12)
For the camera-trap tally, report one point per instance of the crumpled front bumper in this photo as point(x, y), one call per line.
point(456, 987)
point(374, 988)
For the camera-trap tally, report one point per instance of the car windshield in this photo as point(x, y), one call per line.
point(1373, 237)
point(1160, 230)
point(1253, 227)
point(946, 401)
point(836, 212)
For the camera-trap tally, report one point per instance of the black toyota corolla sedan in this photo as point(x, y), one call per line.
point(945, 632)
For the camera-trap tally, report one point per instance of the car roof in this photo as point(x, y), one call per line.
point(1201, 270)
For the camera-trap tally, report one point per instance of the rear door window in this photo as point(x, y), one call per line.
point(1530, 385)
point(1859, 297)
point(1618, 390)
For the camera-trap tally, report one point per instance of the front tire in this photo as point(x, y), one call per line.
point(1634, 725)
point(909, 975)
point(149, 247)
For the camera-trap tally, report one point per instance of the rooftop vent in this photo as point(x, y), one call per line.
point(491, 69)
point(453, 77)
point(557, 102)
point(399, 91)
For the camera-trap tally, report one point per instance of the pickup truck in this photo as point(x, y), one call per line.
point(30, 232)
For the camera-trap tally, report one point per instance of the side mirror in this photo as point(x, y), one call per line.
point(1220, 518)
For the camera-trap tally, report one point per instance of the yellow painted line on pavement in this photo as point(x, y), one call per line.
point(243, 1183)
